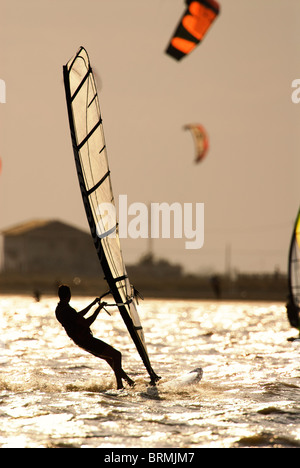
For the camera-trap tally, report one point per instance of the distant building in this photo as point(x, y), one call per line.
point(148, 266)
point(49, 247)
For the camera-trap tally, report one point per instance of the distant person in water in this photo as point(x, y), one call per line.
point(216, 286)
point(78, 329)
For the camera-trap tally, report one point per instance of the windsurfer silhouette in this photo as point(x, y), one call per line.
point(78, 329)
point(293, 315)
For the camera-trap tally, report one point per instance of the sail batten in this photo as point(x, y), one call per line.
point(81, 84)
point(89, 135)
point(94, 178)
point(98, 183)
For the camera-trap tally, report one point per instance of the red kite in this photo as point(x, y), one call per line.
point(194, 24)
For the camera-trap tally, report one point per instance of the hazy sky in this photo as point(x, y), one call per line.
point(237, 83)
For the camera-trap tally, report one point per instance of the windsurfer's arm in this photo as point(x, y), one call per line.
point(93, 317)
point(83, 312)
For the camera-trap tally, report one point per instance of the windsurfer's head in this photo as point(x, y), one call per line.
point(64, 292)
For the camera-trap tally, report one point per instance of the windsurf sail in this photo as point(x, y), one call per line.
point(91, 161)
point(193, 25)
point(293, 305)
point(200, 139)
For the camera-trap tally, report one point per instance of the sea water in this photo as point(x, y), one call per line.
point(53, 394)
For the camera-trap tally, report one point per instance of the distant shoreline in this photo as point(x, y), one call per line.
point(243, 287)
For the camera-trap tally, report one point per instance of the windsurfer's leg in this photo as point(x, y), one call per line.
point(112, 356)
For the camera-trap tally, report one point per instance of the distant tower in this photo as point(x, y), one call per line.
point(149, 253)
point(228, 260)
